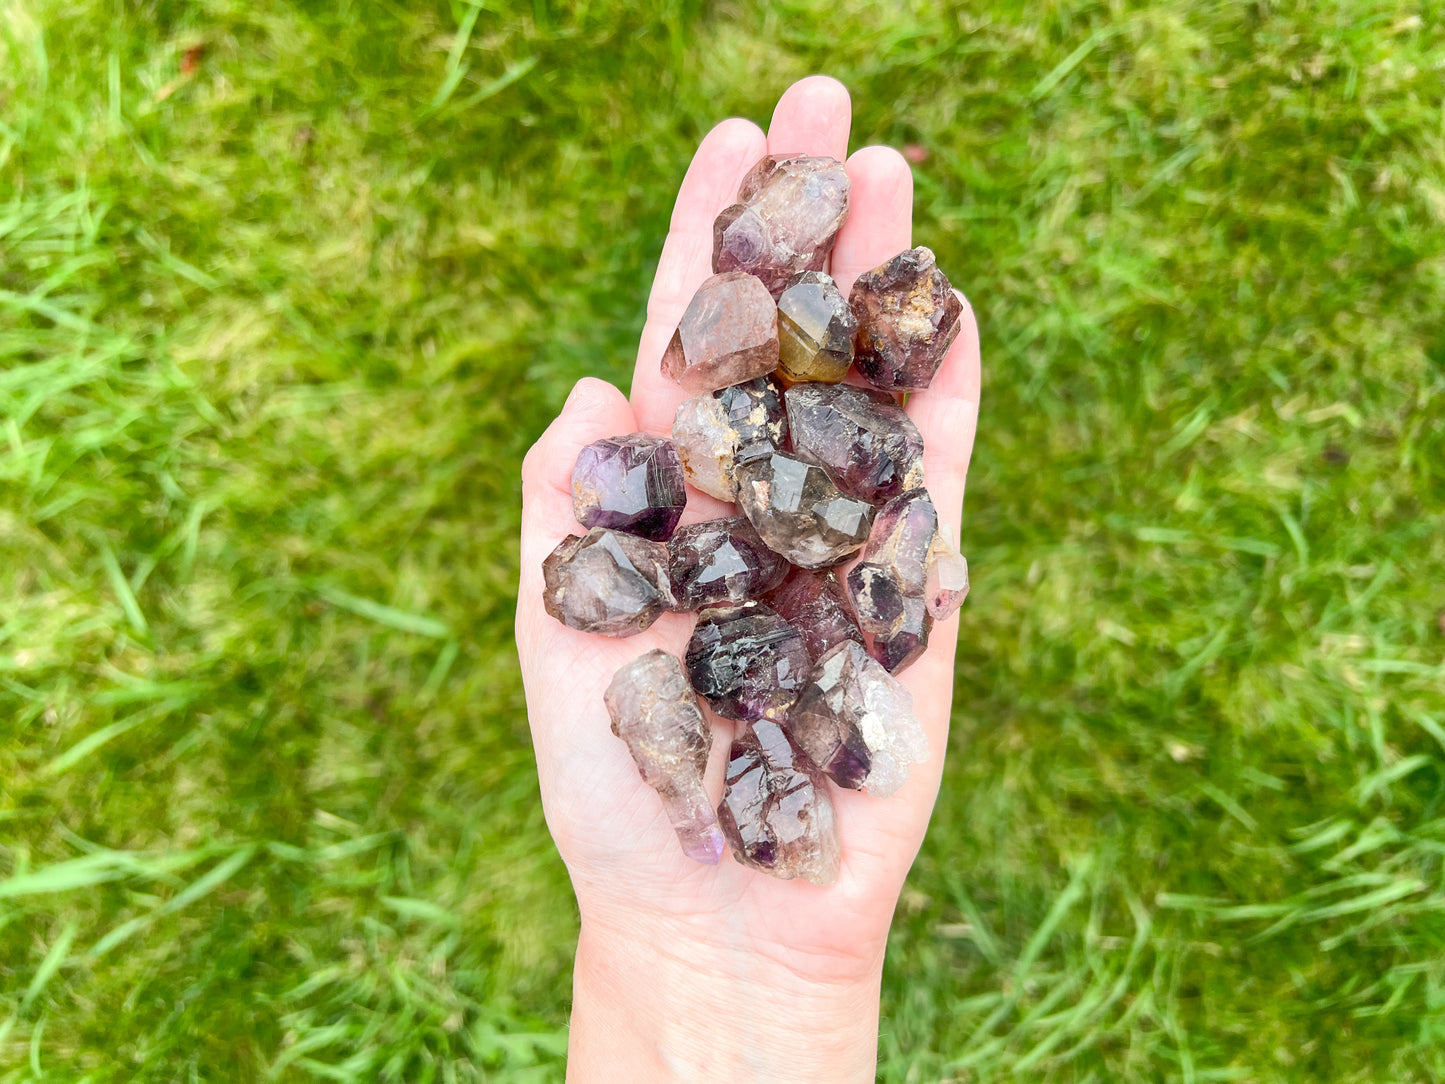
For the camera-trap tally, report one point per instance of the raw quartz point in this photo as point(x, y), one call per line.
point(908, 316)
point(716, 431)
point(888, 586)
point(787, 216)
point(863, 438)
point(655, 712)
point(728, 335)
point(815, 330)
point(721, 560)
point(945, 584)
point(607, 582)
point(632, 483)
point(776, 813)
point(815, 604)
point(855, 721)
point(746, 662)
point(799, 512)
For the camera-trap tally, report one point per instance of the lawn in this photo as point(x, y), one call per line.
point(286, 290)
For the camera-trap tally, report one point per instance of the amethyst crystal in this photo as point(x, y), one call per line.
point(888, 585)
point(855, 721)
point(746, 661)
point(787, 215)
point(607, 582)
point(799, 512)
point(655, 712)
point(721, 560)
point(632, 483)
point(863, 438)
point(908, 316)
point(815, 604)
point(775, 812)
point(717, 431)
point(728, 335)
point(815, 330)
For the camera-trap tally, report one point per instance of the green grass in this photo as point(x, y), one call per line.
point(274, 335)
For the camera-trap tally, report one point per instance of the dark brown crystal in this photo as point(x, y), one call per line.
point(889, 585)
point(607, 582)
point(721, 560)
point(746, 661)
point(800, 512)
point(815, 330)
point(908, 316)
point(815, 604)
point(864, 439)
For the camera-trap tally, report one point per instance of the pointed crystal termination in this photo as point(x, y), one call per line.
point(908, 316)
point(888, 585)
point(728, 335)
point(607, 582)
point(721, 560)
point(655, 712)
point(746, 662)
point(776, 812)
point(815, 604)
point(815, 330)
point(855, 721)
point(799, 512)
point(632, 483)
point(862, 438)
point(787, 216)
point(946, 581)
point(717, 431)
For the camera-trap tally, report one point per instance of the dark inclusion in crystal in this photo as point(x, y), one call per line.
point(746, 661)
point(889, 586)
point(721, 560)
point(799, 512)
point(632, 483)
point(776, 813)
point(815, 330)
point(868, 444)
point(908, 316)
point(607, 582)
point(717, 431)
point(815, 604)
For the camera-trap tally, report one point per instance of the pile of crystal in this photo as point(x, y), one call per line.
point(830, 572)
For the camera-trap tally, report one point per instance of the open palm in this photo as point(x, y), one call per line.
point(609, 826)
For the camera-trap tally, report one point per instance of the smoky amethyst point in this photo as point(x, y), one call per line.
point(815, 330)
point(908, 316)
point(746, 661)
point(800, 512)
point(632, 483)
point(716, 431)
point(889, 586)
point(864, 439)
point(727, 335)
point(607, 582)
point(814, 603)
point(721, 560)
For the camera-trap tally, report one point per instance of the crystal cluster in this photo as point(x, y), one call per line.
point(800, 653)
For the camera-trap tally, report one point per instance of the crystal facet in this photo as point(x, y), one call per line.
point(655, 712)
point(776, 812)
point(729, 334)
point(888, 585)
point(855, 721)
point(815, 604)
point(908, 316)
point(863, 438)
point(787, 215)
point(721, 560)
point(799, 512)
point(717, 431)
point(945, 584)
point(746, 661)
point(632, 483)
point(607, 582)
point(815, 330)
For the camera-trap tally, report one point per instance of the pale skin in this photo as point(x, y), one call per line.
point(686, 971)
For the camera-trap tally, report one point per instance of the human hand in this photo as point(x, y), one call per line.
point(721, 971)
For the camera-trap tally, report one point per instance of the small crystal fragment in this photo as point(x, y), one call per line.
point(716, 431)
point(815, 604)
point(655, 712)
point(607, 582)
point(799, 512)
point(721, 560)
point(862, 437)
point(888, 585)
point(632, 483)
point(855, 721)
point(787, 216)
point(776, 812)
point(746, 661)
point(815, 330)
point(946, 581)
point(728, 335)
point(908, 316)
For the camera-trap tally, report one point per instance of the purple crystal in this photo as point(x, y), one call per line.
point(746, 661)
point(799, 512)
point(655, 712)
point(721, 560)
point(632, 483)
point(728, 335)
point(815, 604)
point(868, 445)
point(815, 330)
point(908, 316)
point(717, 431)
point(776, 812)
point(607, 582)
point(888, 586)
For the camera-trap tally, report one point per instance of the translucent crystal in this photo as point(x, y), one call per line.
point(716, 431)
point(632, 483)
point(607, 582)
point(815, 604)
point(908, 316)
point(868, 444)
point(799, 512)
point(655, 712)
point(728, 335)
point(888, 586)
point(721, 560)
point(815, 330)
point(746, 661)
point(945, 583)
